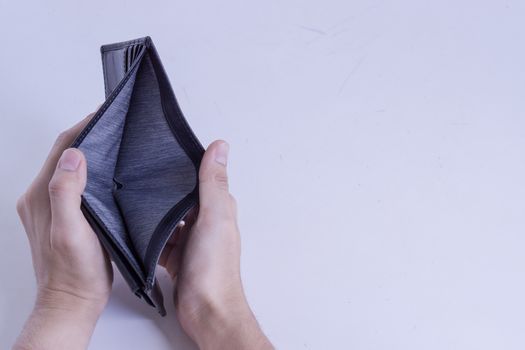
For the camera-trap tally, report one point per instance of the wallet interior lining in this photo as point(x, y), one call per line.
point(137, 170)
point(153, 172)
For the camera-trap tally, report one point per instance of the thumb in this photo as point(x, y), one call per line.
point(65, 190)
point(215, 199)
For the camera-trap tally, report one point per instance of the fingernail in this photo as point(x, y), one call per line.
point(221, 153)
point(70, 160)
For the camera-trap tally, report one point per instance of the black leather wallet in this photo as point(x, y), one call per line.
point(143, 162)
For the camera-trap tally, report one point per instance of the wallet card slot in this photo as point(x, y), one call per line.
point(117, 61)
point(131, 55)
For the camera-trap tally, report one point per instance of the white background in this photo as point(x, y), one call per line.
point(377, 155)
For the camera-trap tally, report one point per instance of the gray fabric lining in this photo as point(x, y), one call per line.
point(152, 167)
point(101, 146)
point(137, 171)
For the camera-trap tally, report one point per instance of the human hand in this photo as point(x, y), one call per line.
point(204, 257)
point(73, 273)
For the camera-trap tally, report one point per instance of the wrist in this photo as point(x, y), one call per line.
point(226, 324)
point(57, 301)
point(60, 320)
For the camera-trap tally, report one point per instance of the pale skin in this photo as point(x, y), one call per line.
point(74, 275)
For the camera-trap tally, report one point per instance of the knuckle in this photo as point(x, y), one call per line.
point(64, 241)
point(63, 138)
point(25, 206)
point(26, 201)
point(218, 179)
point(21, 204)
point(210, 215)
point(221, 179)
point(57, 188)
point(208, 223)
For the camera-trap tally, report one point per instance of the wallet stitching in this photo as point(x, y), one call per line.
point(105, 73)
point(118, 46)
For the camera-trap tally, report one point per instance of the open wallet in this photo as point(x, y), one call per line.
point(142, 163)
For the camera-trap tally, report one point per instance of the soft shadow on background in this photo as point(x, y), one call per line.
point(125, 307)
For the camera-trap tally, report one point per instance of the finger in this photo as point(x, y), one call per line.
point(175, 240)
point(64, 140)
point(215, 199)
point(173, 262)
point(165, 254)
point(184, 225)
point(168, 248)
point(65, 190)
point(174, 259)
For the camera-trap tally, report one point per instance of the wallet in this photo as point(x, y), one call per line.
point(142, 164)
